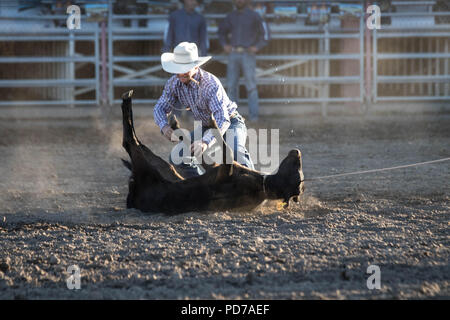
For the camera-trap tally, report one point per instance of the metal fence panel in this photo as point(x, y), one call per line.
point(57, 68)
point(302, 64)
point(411, 64)
point(295, 74)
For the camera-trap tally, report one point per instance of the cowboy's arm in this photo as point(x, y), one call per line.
point(164, 105)
point(219, 110)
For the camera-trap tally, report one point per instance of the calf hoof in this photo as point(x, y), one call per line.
point(127, 95)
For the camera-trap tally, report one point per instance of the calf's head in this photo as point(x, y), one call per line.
point(288, 181)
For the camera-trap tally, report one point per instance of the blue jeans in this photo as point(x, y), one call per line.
point(247, 62)
point(238, 132)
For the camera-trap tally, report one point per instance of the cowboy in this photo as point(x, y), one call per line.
point(203, 93)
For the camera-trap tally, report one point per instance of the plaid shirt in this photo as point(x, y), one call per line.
point(209, 98)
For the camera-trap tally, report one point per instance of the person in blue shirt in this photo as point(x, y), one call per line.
point(186, 25)
point(242, 34)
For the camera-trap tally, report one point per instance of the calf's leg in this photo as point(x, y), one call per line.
point(142, 155)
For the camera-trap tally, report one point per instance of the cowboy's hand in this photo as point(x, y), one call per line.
point(167, 132)
point(253, 49)
point(198, 147)
point(227, 48)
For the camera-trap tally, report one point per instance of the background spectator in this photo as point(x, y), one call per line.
point(186, 25)
point(242, 34)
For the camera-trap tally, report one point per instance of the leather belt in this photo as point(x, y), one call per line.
point(233, 115)
point(239, 49)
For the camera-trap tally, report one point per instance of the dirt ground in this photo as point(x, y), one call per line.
point(62, 203)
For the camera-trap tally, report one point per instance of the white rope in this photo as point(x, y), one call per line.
point(378, 170)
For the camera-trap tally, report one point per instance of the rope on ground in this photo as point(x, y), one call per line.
point(377, 170)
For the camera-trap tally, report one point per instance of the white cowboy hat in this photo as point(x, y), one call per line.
point(183, 59)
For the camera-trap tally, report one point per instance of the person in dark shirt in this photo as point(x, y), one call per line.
point(242, 34)
point(186, 25)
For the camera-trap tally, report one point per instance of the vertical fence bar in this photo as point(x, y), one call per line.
point(375, 65)
point(368, 84)
point(62, 70)
point(430, 67)
point(392, 65)
point(104, 64)
point(307, 92)
point(97, 65)
point(446, 69)
point(412, 63)
point(325, 87)
point(361, 58)
point(421, 68)
point(327, 63)
point(71, 65)
point(110, 53)
point(404, 64)
point(51, 73)
point(315, 67)
point(294, 88)
point(437, 85)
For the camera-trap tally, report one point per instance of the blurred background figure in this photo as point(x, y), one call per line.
point(132, 7)
point(60, 8)
point(242, 34)
point(188, 25)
